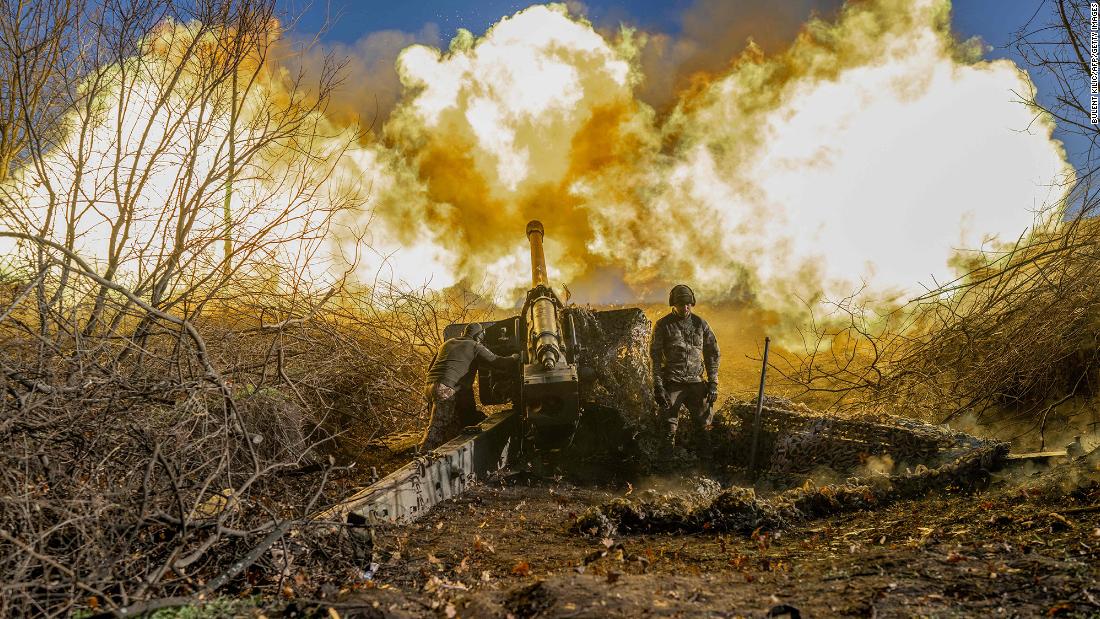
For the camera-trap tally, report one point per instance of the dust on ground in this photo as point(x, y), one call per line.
point(1027, 546)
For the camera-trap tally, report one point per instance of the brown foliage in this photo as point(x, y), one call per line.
point(177, 394)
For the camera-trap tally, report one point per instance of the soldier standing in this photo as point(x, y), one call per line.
point(682, 348)
point(450, 377)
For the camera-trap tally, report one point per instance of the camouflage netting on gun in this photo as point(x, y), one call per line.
point(964, 461)
point(796, 441)
point(617, 392)
point(615, 344)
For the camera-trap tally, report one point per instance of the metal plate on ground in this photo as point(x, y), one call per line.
point(409, 492)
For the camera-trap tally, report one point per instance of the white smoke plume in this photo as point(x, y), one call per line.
point(870, 150)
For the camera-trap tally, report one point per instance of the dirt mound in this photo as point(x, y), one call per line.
point(796, 441)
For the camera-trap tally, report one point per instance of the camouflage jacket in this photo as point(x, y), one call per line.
point(457, 357)
point(682, 348)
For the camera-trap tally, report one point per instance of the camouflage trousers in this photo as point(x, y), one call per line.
point(693, 397)
point(443, 422)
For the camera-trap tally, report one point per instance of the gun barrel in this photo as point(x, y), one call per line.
point(547, 342)
point(545, 333)
point(538, 258)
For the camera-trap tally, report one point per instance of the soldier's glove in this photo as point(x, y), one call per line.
point(660, 396)
point(712, 393)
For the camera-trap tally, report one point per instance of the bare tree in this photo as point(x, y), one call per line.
point(162, 357)
point(37, 54)
point(1055, 44)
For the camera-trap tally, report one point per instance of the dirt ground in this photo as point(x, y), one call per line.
point(1028, 546)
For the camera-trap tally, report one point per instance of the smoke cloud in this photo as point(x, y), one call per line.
point(864, 146)
point(369, 87)
point(712, 34)
point(869, 149)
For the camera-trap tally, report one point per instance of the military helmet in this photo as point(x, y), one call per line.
point(680, 294)
point(473, 330)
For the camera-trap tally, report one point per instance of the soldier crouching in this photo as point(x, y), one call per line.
point(449, 391)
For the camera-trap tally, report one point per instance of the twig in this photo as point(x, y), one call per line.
point(249, 558)
point(57, 566)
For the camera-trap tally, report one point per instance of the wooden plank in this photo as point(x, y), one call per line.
point(1037, 455)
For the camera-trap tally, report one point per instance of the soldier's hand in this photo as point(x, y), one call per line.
point(712, 393)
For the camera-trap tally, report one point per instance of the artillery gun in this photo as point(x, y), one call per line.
point(583, 392)
point(546, 393)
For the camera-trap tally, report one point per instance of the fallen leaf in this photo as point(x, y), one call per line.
point(1059, 608)
point(521, 569)
point(480, 544)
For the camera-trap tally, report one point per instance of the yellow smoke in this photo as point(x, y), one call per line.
point(143, 171)
point(870, 149)
point(867, 150)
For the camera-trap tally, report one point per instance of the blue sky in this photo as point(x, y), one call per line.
point(995, 21)
point(355, 19)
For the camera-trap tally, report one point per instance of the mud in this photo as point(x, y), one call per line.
point(850, 517)
point(1026, 546)
point(796, 443)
